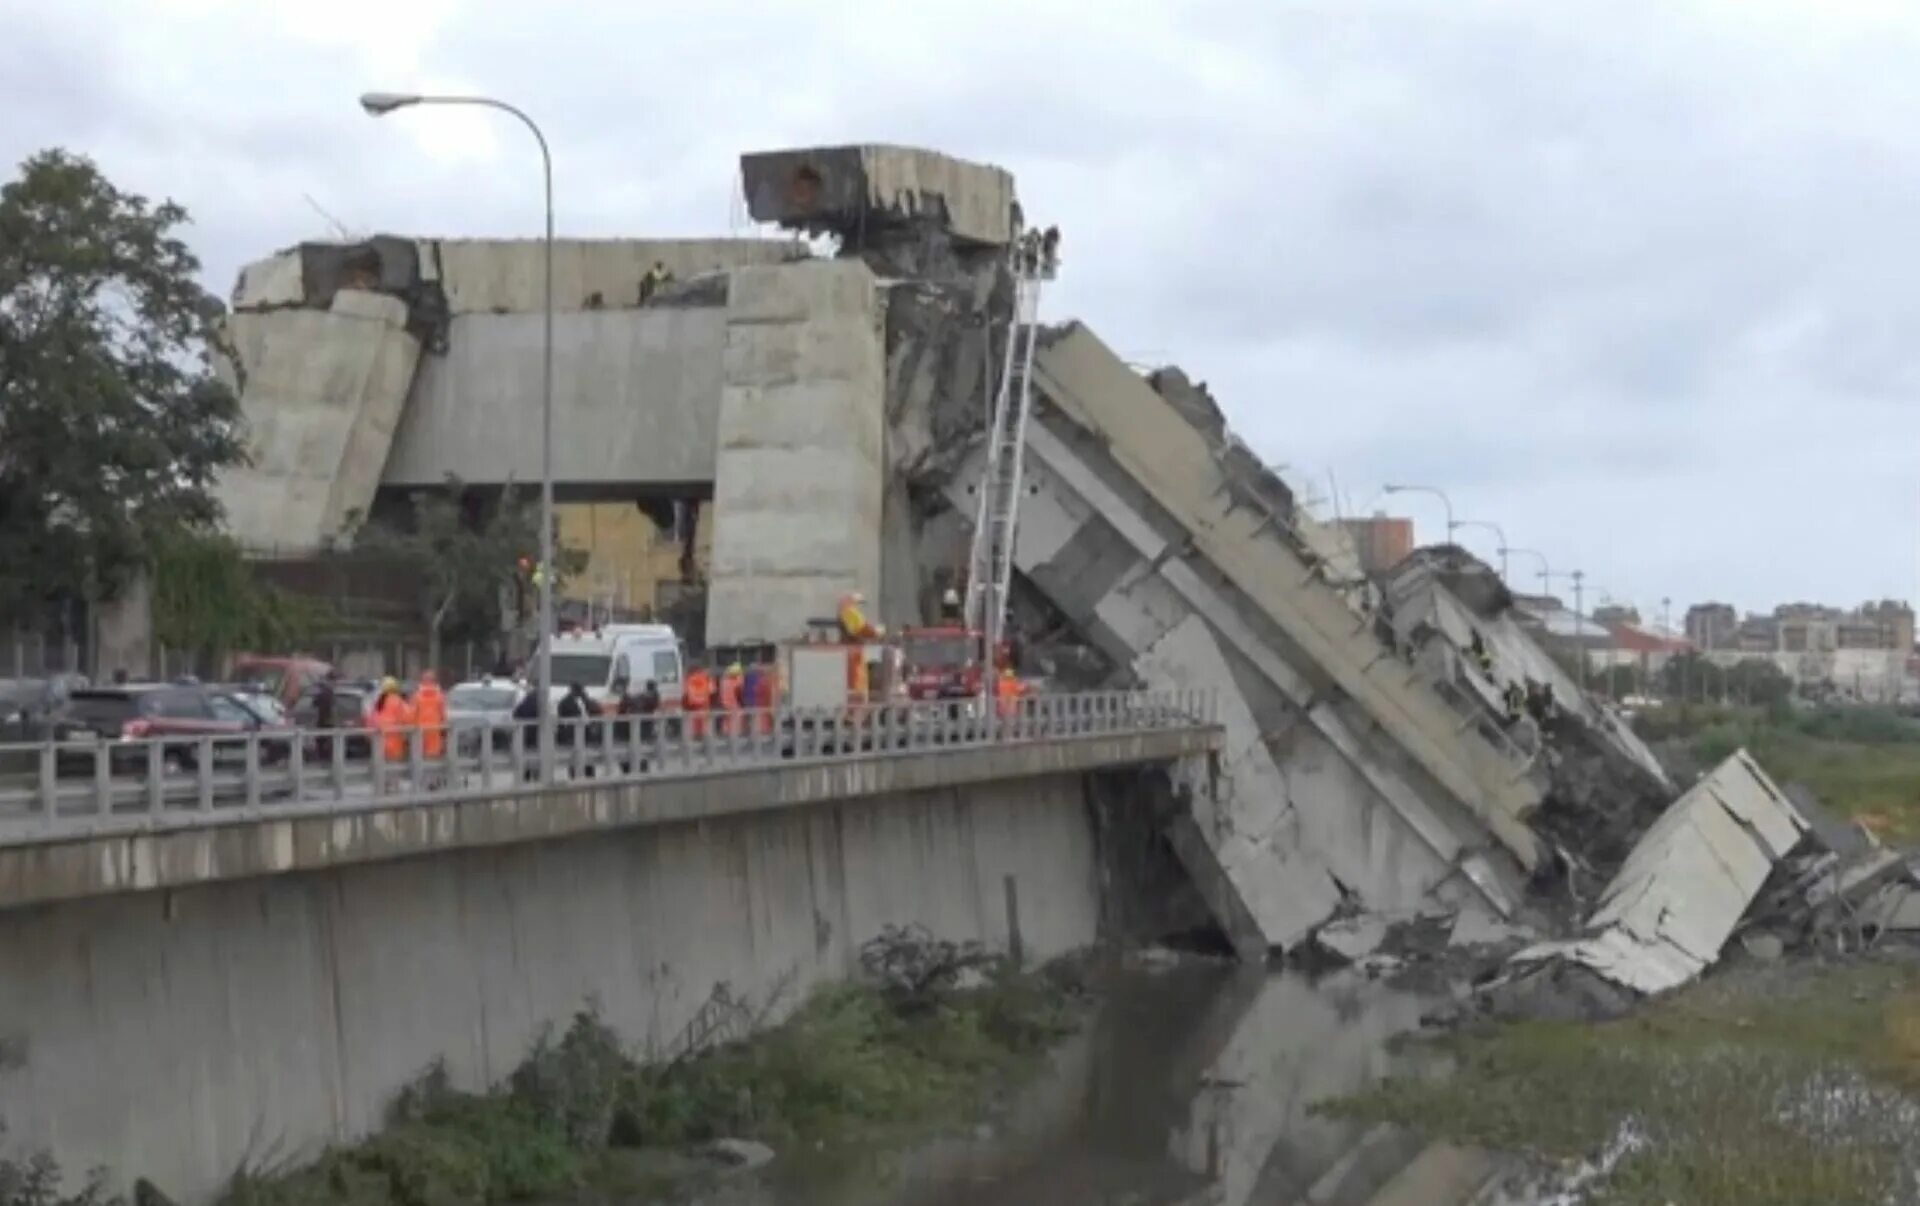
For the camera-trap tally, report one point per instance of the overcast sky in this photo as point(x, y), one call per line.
point(1639, 281)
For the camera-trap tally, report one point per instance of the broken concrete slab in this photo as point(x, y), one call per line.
point(1353, 938)
point(1241, 817)
point(1687, 884)
point(1473, 928)
point(1844, 837)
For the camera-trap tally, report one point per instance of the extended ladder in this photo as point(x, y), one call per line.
point(997, 509)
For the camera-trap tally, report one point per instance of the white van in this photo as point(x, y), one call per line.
point(618, 659)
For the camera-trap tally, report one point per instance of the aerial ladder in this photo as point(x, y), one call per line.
point(1035, 260)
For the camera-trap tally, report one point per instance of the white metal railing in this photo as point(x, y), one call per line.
point(62, 789)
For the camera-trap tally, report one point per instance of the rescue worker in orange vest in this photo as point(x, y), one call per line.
point(393, 716)
point(430, 713)
point(853, 618)
point(732, 680)
point(1006, 694)
point(696, 695)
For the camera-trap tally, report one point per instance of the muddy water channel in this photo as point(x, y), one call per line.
point(1188, 1086)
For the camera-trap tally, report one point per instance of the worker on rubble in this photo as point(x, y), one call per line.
point(393, 716)
point(656, 279)
point(696, 696)
point(1482, 657)
point(732, 682)
point(430, 713)
point(1515, 697)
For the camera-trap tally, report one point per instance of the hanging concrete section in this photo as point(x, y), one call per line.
point(854, 190)
point(322, 391)
point(1252, 548)
point(1309, 806)
point(800, 467)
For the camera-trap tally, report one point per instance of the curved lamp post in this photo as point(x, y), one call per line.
point(379, 104)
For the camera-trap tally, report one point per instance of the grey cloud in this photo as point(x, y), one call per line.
point(1628, 277)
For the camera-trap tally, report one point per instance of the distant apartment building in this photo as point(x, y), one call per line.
point(1382, 541)
point(1712, 625)
point(1859, 654)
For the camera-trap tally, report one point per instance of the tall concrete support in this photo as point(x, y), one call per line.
point(321, 391)
point(176, 1034)
point(801, 464)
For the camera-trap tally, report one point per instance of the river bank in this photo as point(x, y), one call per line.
point(1769, 1084)
point(928, 1039)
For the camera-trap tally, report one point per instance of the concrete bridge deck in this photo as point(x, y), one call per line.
point(159, 826)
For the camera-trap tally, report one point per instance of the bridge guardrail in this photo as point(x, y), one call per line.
point(52, 790)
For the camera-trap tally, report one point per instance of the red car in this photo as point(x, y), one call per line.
point(119, 716)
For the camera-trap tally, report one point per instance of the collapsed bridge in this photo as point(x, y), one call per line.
point(831, 411)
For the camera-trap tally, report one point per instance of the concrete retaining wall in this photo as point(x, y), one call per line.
point(801, 466)
point(175, 1034)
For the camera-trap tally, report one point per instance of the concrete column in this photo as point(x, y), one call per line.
point(800, 469)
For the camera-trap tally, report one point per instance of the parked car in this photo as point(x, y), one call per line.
point(480, 708)
point(136, 712)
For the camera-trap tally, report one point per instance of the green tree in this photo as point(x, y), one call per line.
point(467, 549)
point(207, 600)
point(1758, 681)
point(112, 424)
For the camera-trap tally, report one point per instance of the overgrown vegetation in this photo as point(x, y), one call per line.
point(855, 1061)
point(1862, 762)
point(1766, 1087)
point(207, 600)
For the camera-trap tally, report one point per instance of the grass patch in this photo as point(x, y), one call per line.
point(1771, 1086)
point(1862, 762)
point(581, 1114)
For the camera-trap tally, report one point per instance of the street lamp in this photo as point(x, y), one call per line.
point(1546, 571)
point(1497, 531)
point(1579, 628)
point(1439, 494)
point(379, 104)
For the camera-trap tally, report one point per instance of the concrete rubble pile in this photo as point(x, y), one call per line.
point(1643, 891)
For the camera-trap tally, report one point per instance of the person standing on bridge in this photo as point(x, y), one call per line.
point(430, 713)
point(393, 716)
point(696, 696)
point(1006, 694)
point(326, 703)
point(732, 683)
